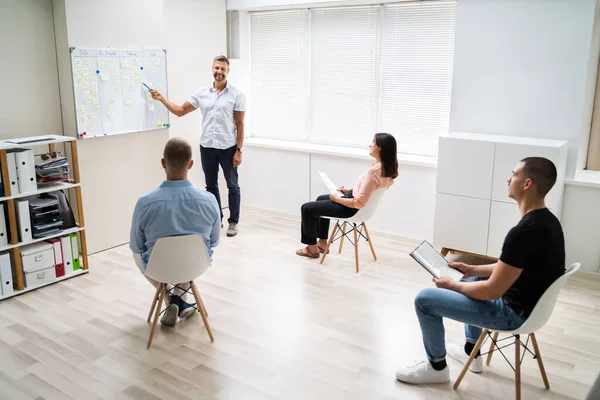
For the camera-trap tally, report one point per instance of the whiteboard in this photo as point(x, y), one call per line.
point(110, 97)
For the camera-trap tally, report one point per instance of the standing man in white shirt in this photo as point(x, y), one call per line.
point(223, 108)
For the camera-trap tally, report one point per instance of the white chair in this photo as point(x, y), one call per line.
point(176, 260)
point(537, 319)
point(358, 222)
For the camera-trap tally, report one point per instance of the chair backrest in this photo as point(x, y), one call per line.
point(178, 259)
point(545, 305)
point(365, 213)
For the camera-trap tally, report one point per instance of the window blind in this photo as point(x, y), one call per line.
point(279, 73)
point(344, 74)
point(417, 56)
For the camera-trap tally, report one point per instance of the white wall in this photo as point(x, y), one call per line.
point(522, 68)
point(30, 101)
point(116, 170)
point(581, 221)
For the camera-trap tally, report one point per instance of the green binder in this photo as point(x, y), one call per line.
point(75, 252)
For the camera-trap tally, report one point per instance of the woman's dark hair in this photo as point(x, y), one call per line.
point(388, 154)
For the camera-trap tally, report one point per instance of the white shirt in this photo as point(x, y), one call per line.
point(218, 125)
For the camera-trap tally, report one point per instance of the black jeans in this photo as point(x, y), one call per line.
point(211, 158)
point(313, 226)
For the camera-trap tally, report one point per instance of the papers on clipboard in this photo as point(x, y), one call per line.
point(330, 185)
point(434, 262)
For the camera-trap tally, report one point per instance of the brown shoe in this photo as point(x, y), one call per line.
point(305, 252)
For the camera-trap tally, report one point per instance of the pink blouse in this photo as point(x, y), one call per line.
point(370, 180)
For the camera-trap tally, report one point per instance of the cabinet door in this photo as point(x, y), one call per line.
point(461, 223)
point(503, 217)
point(465, 167)
point(508, 156)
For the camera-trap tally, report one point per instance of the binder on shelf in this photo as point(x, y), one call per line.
point(58, 257)
point(23, 220)
point(75, 252)
point(3, 227)
point(65, 245)
point(6, 287)
point(25, 170)
point(12, 173)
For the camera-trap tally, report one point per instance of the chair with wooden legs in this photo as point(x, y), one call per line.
point(357, 225)
point(538, 318)
point(178, 260)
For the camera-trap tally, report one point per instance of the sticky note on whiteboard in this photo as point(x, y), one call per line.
point(87, 62)
point(157, 61)
point(78, 63)
point(128, 100)
point(101, 62)
point(81, 109)
point(104, 76)
point(151, 107)
point(124, 63)
point(154, 69)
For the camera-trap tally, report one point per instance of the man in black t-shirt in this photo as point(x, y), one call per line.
point(500, 295)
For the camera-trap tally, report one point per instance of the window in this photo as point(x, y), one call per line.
point(344, 75)
point(416, 83)
point(279, 63)
point(338, 75)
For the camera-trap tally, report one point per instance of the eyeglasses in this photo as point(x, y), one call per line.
point(48, 156)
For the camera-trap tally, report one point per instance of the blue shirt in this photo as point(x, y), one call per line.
point(175, 208)
point(218, 125)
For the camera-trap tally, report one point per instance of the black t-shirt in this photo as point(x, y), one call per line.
point(537, 246)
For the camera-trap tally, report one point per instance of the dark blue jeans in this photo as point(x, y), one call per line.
point(211, 159)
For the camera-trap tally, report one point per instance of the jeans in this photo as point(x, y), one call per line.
point(313, 226)
point(433, 304)
point(211, 159)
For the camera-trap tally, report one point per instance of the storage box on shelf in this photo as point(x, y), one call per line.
point(37, 247)
point(473, 212)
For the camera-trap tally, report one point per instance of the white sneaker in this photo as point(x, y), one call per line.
point(169, 317)
point(422, 373)
point(458, 353)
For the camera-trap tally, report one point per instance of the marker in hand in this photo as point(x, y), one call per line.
point(149, 88)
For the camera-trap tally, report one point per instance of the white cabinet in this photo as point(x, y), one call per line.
point(473, 212)
point(456, 175)
point(461, 222)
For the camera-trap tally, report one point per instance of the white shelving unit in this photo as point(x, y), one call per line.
point(50, 141)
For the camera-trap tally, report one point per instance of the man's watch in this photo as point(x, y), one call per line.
point(238, 149)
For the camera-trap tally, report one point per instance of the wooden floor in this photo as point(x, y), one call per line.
point(285, 328)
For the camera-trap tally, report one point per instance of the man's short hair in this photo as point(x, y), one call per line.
point(542, 173)
point(177, 154)
point(221, 58)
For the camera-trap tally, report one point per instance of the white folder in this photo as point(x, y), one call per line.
point(65, 243)
point(6, 287)
point(23, 220)
point(12, 174)
point(26, 171)
point(3, 227)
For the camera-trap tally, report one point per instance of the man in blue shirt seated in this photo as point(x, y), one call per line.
point(176, 208)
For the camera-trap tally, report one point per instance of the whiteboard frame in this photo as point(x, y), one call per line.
point(77, 135)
